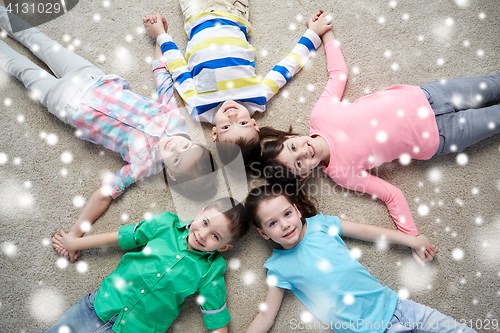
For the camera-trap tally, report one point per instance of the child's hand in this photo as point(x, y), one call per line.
point(64, 245)
point(423, 250)
point(320, 23)
point(155, 24)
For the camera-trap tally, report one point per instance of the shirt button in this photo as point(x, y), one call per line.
point(142, 291)
point(177, 256)
point(126, 309)
point(158, 275)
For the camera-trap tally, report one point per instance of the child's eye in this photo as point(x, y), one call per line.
point(186, 146)
point(293, 147)
point(225, 127)
point(205, 222)
point(244, 122)
point(288, 214)
point(216, 237)
point(272, 223)
point(299, 164)
point(176, 159)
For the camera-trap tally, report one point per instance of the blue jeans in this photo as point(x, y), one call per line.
point(466, 109)
point(417, 318)
point(82, 318)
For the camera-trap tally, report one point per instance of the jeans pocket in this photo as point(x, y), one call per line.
point(89, 300)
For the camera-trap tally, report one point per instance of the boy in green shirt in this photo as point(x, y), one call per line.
point(146, 291)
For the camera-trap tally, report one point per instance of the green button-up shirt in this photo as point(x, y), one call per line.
point(148, 288)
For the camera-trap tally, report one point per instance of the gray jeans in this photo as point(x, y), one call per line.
point(467, 110)
point(60, 94)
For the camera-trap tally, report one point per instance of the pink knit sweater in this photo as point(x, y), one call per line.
point(397, 122)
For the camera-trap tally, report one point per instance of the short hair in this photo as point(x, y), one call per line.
point(250, 150)
point(235, 213)
point(199, 182)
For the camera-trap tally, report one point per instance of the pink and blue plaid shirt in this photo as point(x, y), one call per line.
point(130, 124)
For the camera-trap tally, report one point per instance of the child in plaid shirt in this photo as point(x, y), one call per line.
point(149, 134)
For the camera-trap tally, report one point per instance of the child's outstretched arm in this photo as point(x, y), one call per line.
point(265, 319)
point(421, 246)
point(295, 60)
point(157, 27)
point(72, 244)
point(97, 204)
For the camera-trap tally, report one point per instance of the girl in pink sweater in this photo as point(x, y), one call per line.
point(402, 122)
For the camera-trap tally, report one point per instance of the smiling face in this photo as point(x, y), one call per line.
point(178, 154)
point(280, 221)
point(233, 121)
point(209, 232)
point(301, 154)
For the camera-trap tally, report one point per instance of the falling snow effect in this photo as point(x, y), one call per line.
point(47, 305)
point(19, 199)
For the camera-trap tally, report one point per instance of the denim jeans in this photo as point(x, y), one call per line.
point(60, 94)
point(82, 318)
point(466, 109)
point(417, 318)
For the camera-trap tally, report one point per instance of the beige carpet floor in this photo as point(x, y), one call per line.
point(46, 172)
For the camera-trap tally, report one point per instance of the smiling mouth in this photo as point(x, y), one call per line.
point(311, 150)
point(289, 233)
point(197, 241)
point(229, 108)
point(167, 142)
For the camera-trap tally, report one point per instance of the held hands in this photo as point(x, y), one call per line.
point(155, 24)
point(423, 250)
point(320, 23)
point(64, 245)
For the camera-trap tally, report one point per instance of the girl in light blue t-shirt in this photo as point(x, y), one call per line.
point(316, 265)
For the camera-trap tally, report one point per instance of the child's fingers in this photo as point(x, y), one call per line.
point(418, 258)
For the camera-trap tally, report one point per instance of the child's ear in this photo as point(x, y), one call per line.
point(225, 248)
point(298, 212)
point(263, 234)
point(214, 134)
point(255, 125)
point(171, 174)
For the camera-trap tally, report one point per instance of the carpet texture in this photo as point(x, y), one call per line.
point(47, 173)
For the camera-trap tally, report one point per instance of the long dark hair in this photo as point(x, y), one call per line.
point(275, 171)
point(293, 194)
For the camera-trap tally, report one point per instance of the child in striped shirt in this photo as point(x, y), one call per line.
point(218, 81)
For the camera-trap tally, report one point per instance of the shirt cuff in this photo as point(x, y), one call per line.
point(216, 318)
point(157, 64)
point(163, 38)
point(126, 237)
point(315, 39)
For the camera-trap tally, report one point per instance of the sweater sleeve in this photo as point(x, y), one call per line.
point(292, 64)
point(337, 71)
point(177, 66)
point(389, 194)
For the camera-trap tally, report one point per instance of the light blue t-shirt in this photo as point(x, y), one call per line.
point(330, 282)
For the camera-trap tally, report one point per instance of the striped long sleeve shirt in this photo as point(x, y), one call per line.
point(219, 65)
